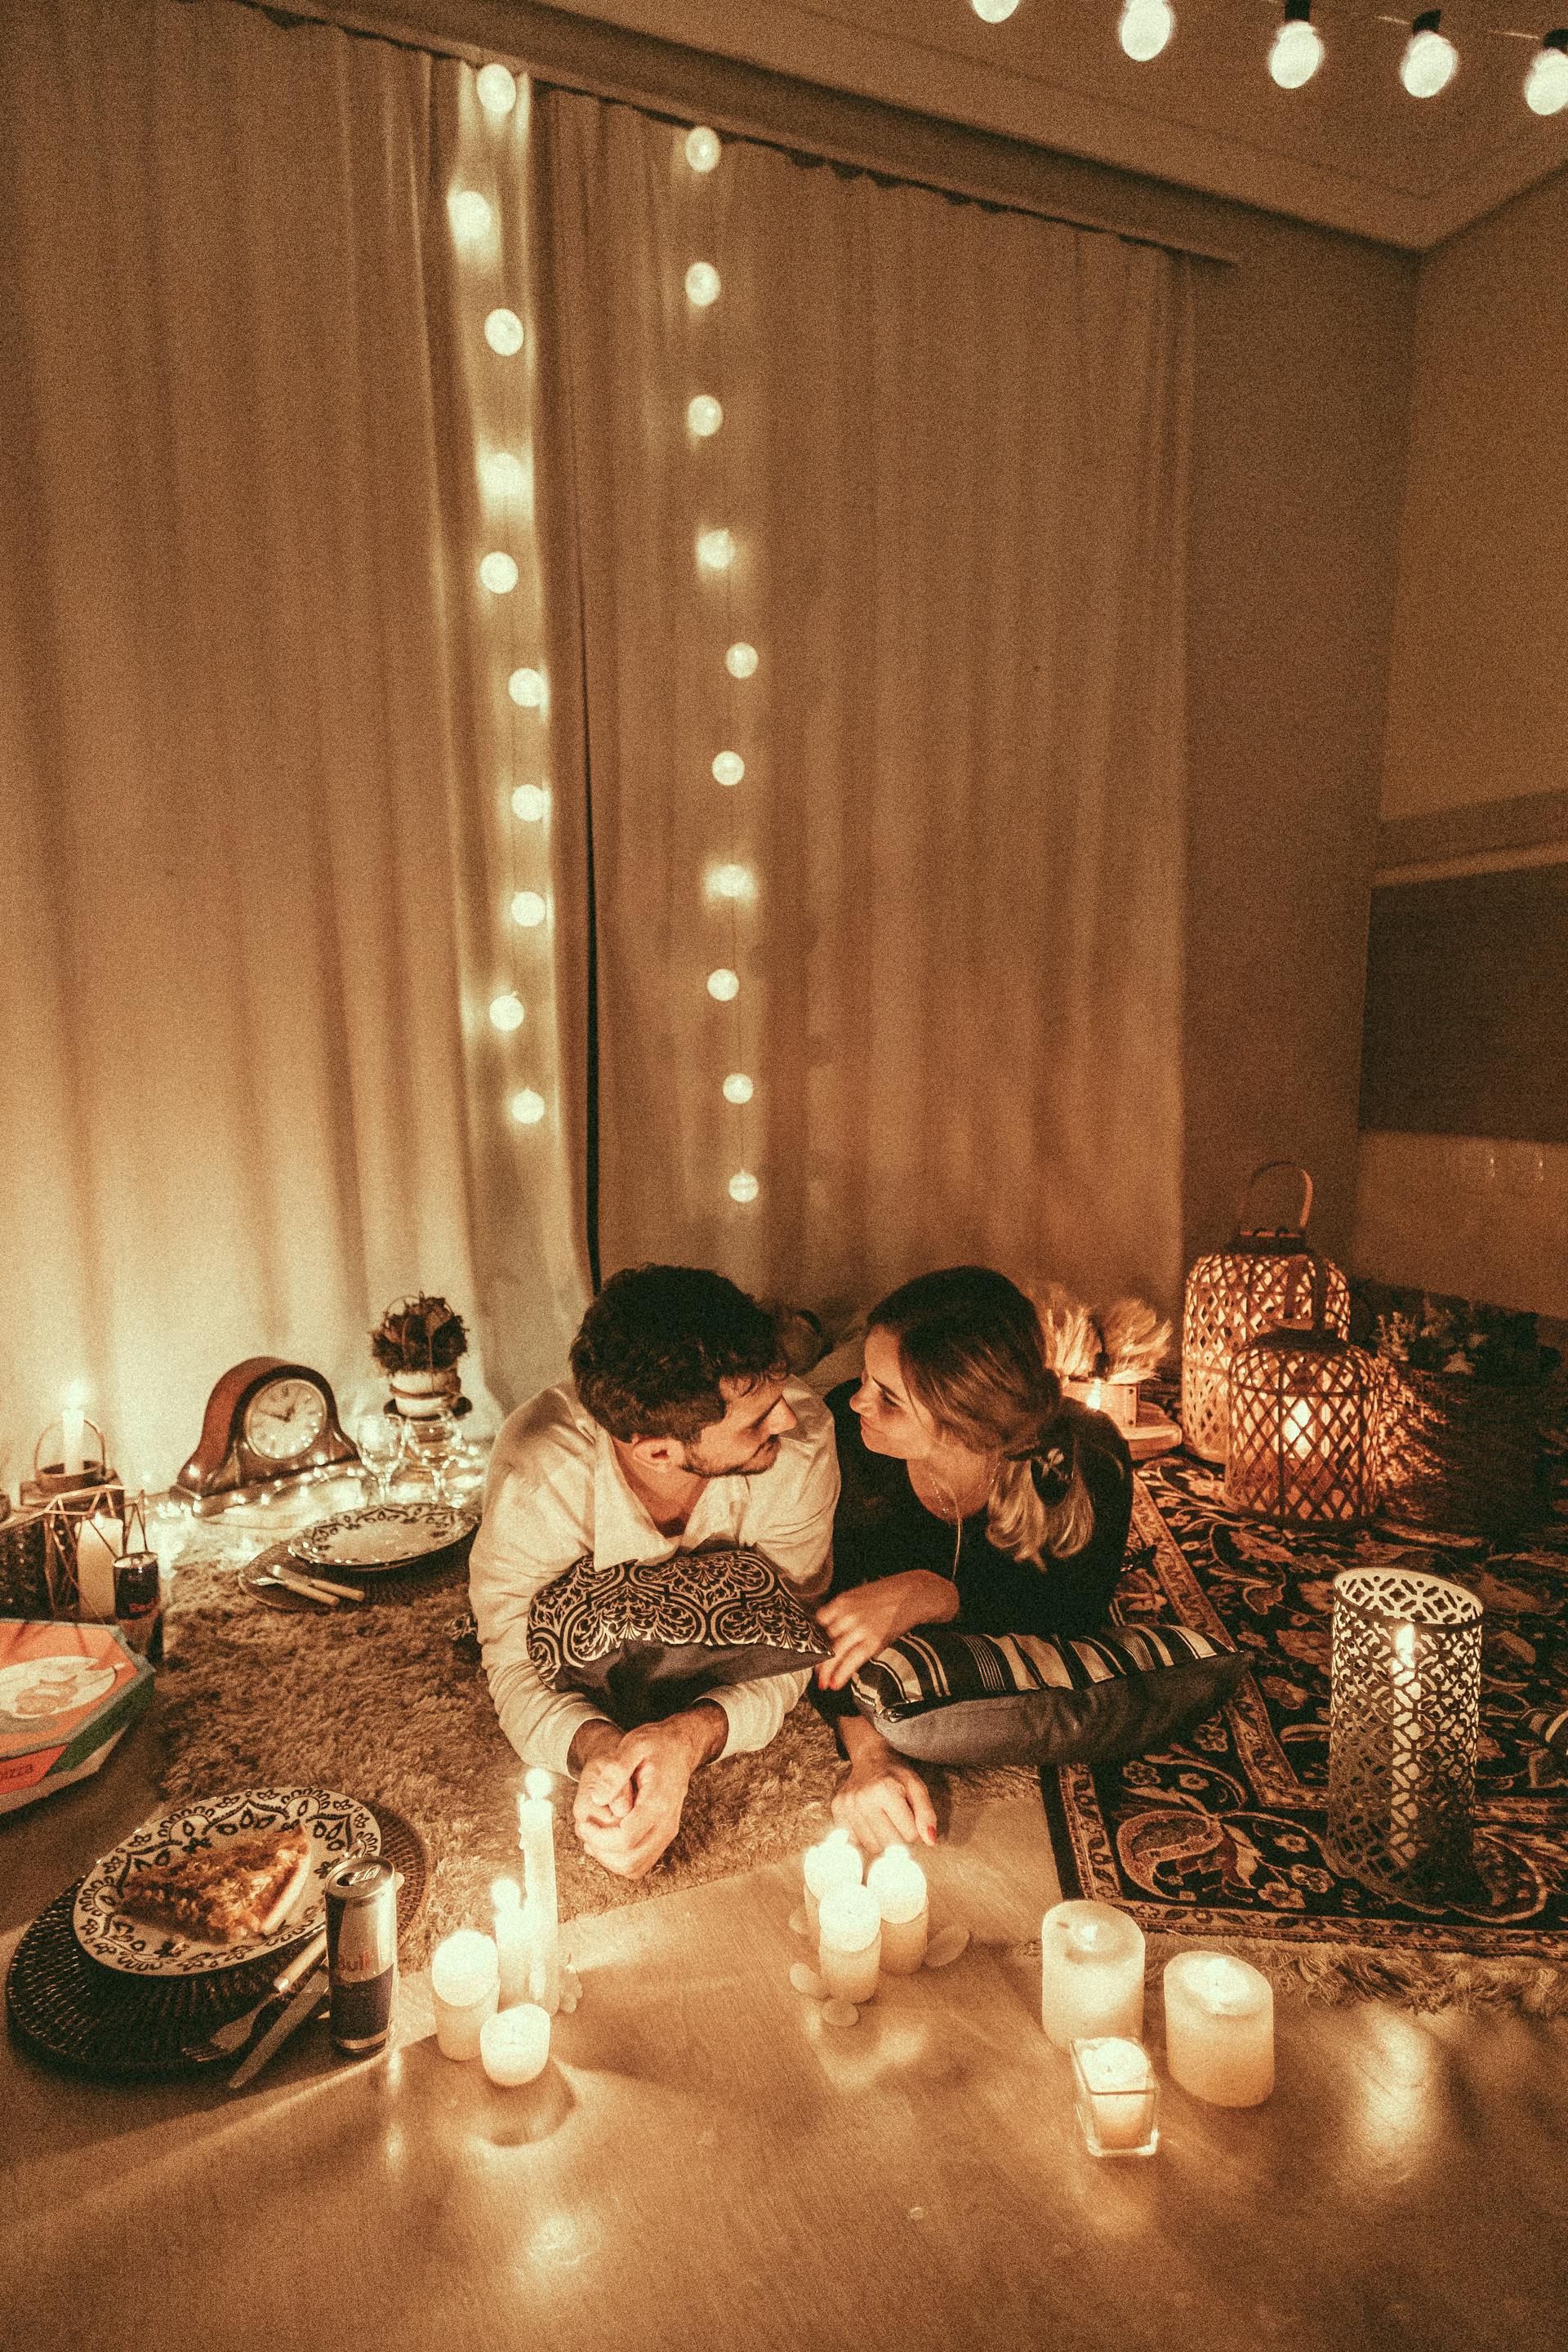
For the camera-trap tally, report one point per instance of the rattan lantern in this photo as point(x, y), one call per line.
point(1306, 1420)
point(1232, 1295)
point(1403, 1719)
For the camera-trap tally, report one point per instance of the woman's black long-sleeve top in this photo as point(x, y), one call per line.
point(882, 1529)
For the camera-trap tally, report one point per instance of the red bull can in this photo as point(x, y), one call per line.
point(362, 1952)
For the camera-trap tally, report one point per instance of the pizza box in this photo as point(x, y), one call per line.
point(67, 1693)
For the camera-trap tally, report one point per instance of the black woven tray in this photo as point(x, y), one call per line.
point(97, 2020)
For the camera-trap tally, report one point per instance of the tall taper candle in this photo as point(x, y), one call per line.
point(542, 1917)
point(73, 1428)
point(515, 1948)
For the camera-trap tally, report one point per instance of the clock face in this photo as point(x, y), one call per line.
point(284, 1419)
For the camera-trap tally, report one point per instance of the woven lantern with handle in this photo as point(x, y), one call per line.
point(1305, 1418)
point(1232, 1297)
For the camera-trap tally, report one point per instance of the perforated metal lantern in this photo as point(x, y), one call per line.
point(1232, 1297)
point(1306, 1421)
point(1402, 1728)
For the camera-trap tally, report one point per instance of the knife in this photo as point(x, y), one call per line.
point(293, 2013)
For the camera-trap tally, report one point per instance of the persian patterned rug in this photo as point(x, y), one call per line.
point(1222, 1835)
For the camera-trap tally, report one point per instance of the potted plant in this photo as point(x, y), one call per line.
point(417, 1344)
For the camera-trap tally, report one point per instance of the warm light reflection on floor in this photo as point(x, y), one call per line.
point(1396, 2102)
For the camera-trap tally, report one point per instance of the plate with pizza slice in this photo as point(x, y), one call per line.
point(219, 1883)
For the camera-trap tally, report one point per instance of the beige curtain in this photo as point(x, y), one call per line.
point(952, 459)
point(256, 839)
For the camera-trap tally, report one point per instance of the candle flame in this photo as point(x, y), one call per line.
point(537, 1783)
point(1405, 1644)
point(505, 1893)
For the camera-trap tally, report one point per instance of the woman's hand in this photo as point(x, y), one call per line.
point(860, 1622)
point(883, 1801)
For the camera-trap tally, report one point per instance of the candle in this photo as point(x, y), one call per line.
point(1091, 1973)
point(898, 1884)
point(1219, 2029)
point(73, 1427)
point(99, 1544)
point(513, 1944)
point(464, 1984)
point(1405, 1754)
point(514, 2044)
point(833, 1864)
point(542, 1917)
point(1116, 2097)
point(849, 1942)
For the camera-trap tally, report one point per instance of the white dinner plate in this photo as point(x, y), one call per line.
point(382, 1535)
point(339, 1826)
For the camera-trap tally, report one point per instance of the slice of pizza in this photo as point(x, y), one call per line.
point(244, 1888)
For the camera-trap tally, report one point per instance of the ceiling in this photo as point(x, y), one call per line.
point(1351, 151)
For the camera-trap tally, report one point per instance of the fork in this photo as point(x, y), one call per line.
point(226, 2039)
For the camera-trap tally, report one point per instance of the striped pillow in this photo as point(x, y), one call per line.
point(1016, 1698)
point(1551, 1730)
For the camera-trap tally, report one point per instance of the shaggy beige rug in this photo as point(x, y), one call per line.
point(376, 1701)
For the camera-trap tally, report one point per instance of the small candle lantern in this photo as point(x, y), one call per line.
point(1091, 1973)
point(1306, 1422)
point(1219, 2029)
point(1402, 1714)
point(1116, 2097)
point(1231, 1297)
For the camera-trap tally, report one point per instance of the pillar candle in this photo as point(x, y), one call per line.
point(898, 1884)
point(1219, 2029)
point(1091, 1973)
point(514, 2044)
point(73, 1429)
point(513, 1947)
point(542, 1919)
point(1117, 2102)
point(850, 1943)
point(99, 1544)
point(833, 1864)
point(464, 1985)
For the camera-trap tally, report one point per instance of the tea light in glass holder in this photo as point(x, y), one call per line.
point(898, 1884)
point(514, 2044)
point(465, 1985)
point(850, 1943)
point(1117, 2096)
point(1091, 1973)
point(1219, 2029)
point(833, 1864)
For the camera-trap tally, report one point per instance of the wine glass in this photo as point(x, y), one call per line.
point(380, 1442)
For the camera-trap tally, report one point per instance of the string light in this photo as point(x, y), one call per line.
point(738, 1087)
point(994, 12)
point(527, 909)
point(704, 416)
point(741, 661)
point(702, 284)
point(503, 333)
point(1546, 83)
point(715, 550)
point(507, 1012)
point(530, 803)
point(496, 89)
point(743, 1186)
point(470, 214)
point(505, 476)
point(729, 768)
point(499, 573)
point(527, 1108)
point(1298, 49)
point(731, 882)
point(527, 689)
point(723, 986)
point(1145, 28)
point(702, 149)
point(1430, 60)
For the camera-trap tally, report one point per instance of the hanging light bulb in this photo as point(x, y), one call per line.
point(704, 416)
point(504, 476)
point(496, 89)
point(1298, 50)
point(527, 1108)
point(723, 986)
point(469, 214)
point(527, 909)
point(499, 573)
point(994, 12)
point(507, 1012)
point(530, 803)
point(503, 333)
point(1546, 83)
point(730, 882)
point(1430, 60)
point(715, 550)
point(702, 149)
point(738, 1087)
point(1146, 26)
point(701, 284)
point(526, 687)
point(729, 768)
point(743, 1186)
point(741, 661)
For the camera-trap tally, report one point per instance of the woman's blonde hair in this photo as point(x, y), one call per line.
point(970, 1351)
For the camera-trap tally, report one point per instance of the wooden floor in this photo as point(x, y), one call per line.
point(705, 2168)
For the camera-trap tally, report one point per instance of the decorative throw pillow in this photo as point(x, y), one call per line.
point(648, 1638)
point(1015, 1698)
point(1551, 1729)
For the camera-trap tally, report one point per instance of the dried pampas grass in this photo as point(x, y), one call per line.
point(1127, 1342)
point(1134, 1339)
point(1069, 1330)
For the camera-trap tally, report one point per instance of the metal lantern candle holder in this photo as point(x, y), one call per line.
point(1231, 1297)
point(1402, 1730)
point(1305, 1423)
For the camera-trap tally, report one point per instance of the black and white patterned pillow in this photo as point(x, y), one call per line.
point(1017, 1698)
point(650, 1636)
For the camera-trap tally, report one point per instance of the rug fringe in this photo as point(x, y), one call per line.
point(1329, 1975)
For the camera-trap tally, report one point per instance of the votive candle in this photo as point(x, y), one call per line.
point(1219, 2029)
point(1091, 1973)
point(513, 1945)
point(898, 1884)
point(514, 2044)
point(464, 1985)
point(850, 1943)
point(833, 1864)
point(1116, 2097)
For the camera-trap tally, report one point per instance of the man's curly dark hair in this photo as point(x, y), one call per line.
point(655, 1344)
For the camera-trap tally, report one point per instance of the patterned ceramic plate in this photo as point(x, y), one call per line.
point(382, 1535)
point(339, 1826)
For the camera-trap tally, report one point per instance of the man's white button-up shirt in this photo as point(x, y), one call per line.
point(556, 1491)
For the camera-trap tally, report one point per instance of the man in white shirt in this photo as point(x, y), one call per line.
point(682, 1434)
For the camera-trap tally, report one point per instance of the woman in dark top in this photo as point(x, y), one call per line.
point(975, 1494)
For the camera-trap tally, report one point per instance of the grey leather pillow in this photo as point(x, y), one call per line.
point(649, 1637)
point(978, 1698)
